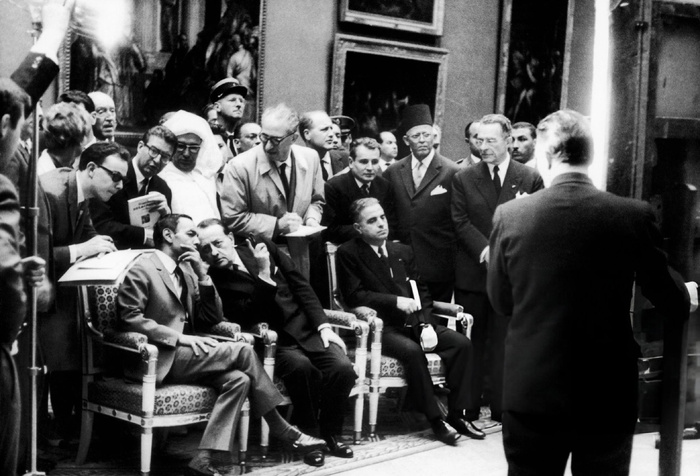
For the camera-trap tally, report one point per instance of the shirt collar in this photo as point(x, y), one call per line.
point(475, 159)
point(81, 194)
point(360, 183)
point(502, 167)
point(167, 261)
point(376, 249)
point(426, 161)
point(137, 172)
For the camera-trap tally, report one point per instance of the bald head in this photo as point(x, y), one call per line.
point(105, 116)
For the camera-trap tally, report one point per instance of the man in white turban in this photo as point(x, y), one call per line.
point(191, 175)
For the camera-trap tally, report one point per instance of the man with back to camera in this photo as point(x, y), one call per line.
point(477, 191)
point(524, 140)
point(228, 97)
point(169, 297)
point(262, 284)
point(563, 263)
point(375, 272)
point(361, 181)
point(422, 187)
point(105, 116)
point(111, 218)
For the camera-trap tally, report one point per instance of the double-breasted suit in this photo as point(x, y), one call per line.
point(563, 263)
point(474, 201)
point(423, 220)
point(318, 379)
point(253, 195)
point(365, 280)
point(148, 303)
point(71, 224)
point(341, 191)
point(111, 218)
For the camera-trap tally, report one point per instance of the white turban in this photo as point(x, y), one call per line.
point(209, 160)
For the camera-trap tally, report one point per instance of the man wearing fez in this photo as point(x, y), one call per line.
point(111, 218)
point(228, 97)
point(361, 181)
point(422, 190)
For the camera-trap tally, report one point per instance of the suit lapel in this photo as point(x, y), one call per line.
point(511, 183)
point(407, 177)
point(74, 208)
point(248, 260)
point(372, 261)
point(164, 275)
point(484, 184)
point(130, 185)
point(430, 174)
point(298, 176)
point(266, 168)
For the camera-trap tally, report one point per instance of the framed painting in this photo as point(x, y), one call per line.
point(534, 59)
point(155, 56)
point(418, 16)
point(373, 80)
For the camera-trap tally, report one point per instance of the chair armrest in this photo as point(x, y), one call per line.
point(364, 313)
point(454, 313)
point(340, 318)
point(228, 331)
point(133, 341)
point(137, 343)
point(446, 308)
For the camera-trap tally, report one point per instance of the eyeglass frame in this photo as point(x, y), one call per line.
point(112, 173)
point(192, 149)
point(163, 156)
point(264, 138)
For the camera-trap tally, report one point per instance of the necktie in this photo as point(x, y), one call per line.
point(232, 145)
point(285, 182)
point(496, 181)
point(418, 174)
point(384, 259)
point(144, 187)
point(365, 190)
point(324, 170)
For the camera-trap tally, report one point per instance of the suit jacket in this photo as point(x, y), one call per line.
point(339, 160)
point(254, 197)
point(291, 308)
point(12, 299)
point(423, 215)
point(148, 303)
point(562, 264)
point(474, 201)
point(364, 280)
point(341, 191)
point(34, 75)
point(112, 218)
point(71, 224)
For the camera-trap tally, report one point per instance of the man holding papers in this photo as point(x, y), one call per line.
point(142, 188)
point(381, 274)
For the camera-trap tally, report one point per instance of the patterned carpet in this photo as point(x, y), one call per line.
point(115, 449)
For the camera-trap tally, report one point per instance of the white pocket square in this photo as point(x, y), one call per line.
point(439, 190)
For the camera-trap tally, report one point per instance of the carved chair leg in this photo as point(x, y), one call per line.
point(243, 428)
point(146, 450)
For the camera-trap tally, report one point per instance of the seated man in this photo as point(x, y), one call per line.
point(375, 272)
point(262, 284)
point(361, 181)
point(112, 217)
point(168, 296)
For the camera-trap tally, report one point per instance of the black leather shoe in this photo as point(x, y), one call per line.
point(314, 458)
point(445, 432)
point(305, 443)
point(338, 448)
point(466, 428)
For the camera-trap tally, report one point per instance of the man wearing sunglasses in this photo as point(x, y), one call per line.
point(99, 176)
point(111, 217)
point(275, 187)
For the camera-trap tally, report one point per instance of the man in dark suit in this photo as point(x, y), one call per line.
point(229, 99)
point(361, 181)
point(375, 272)
point(477, 191)
point(422, 187)
point(471, 137)
point(101, 169)
point(112, 217)
point(168, 296)
point(562, 267)
point(316, 129)
point(262, 284)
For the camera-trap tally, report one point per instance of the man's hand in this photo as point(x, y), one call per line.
point(197, 342)
point(94, 246)
point(428, 339)
point(407, 305)
point(692, 288)
point(312, 222)
point(328, 336)
point(289, 223)
point(193, 257)
point(158, 202)
point(34, 270)
point(262, 258)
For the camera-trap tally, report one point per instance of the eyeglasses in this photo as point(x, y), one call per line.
point(193, 149)
point(100, 111)
point(154, 153)
point(264, 138)
point(421, 135)
point(115, 176)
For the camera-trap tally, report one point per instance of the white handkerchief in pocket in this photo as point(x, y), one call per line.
point(439, 190)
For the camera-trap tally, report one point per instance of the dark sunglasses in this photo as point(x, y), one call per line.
point(115, 176)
